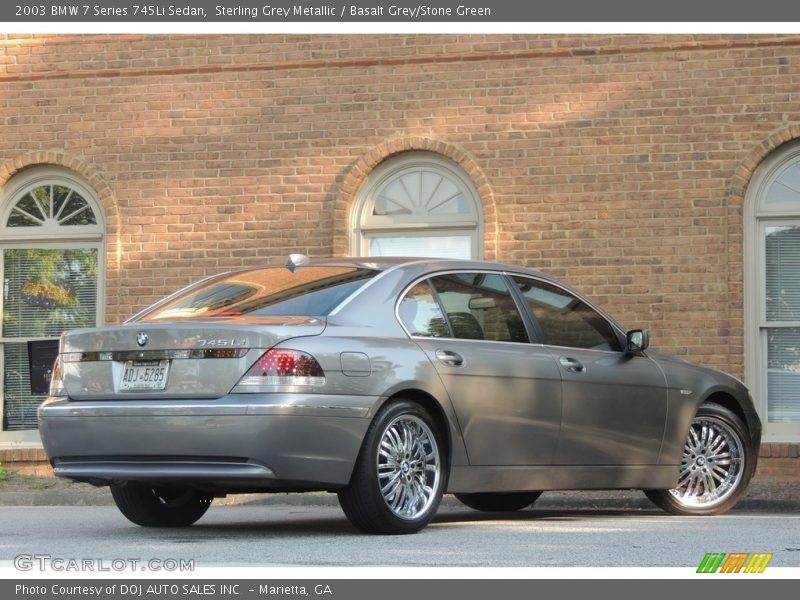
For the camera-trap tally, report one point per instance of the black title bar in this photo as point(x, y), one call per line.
point(398, 11)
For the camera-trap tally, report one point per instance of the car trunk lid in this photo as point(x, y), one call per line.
point(176, 359)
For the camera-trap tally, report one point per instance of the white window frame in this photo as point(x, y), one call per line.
point(365, 225)
point(50, 236)
point(757, 217)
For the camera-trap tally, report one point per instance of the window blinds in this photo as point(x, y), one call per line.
point(783, 305)
point(45, 292)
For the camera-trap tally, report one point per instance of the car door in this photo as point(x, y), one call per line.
point(614, 404)
point(505, 391)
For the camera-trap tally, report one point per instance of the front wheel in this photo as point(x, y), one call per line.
point(399, 476)
point(499, 502)
point(156, 506)
point(717, 464)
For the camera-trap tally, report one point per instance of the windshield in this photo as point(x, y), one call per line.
point(309, 291)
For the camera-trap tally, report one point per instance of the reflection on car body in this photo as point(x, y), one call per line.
point(389, 381)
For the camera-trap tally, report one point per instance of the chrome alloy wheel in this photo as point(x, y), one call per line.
point(409, 467)
point(712, 465)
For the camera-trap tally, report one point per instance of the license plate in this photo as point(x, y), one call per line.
point(144, 376)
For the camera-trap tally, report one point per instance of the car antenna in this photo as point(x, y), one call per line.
point(296, 261)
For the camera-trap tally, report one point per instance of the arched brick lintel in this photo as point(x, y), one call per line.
point(61, 158)
point(108, 203)
point(361, 168)
point(744, 173)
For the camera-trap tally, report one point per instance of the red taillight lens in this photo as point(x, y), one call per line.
point(56, 379)
point(280, 366)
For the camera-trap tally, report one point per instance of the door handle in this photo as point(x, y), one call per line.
point(572, 365)
point(450, 358)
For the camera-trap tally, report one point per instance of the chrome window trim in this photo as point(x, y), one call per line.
point(621, 333)
point(401, 296)
point(615, 327)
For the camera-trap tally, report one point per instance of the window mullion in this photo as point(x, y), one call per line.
point(55, 275)
point(441, 197)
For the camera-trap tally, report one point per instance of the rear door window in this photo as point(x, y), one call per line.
point(479, 306)
point(420, 312)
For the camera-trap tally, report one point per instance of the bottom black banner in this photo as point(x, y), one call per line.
point(382, 589)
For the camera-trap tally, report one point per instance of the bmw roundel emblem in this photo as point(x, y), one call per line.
point(141, 338)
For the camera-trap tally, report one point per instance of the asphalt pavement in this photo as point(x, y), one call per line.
point(320, 536)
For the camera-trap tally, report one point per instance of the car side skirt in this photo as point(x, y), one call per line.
point(594, 477)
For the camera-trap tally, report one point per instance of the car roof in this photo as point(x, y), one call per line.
point(383, 263)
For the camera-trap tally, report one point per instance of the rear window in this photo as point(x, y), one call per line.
point(309, 291)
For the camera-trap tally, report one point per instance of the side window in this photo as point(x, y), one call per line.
point(420, 313)
point(479, 306)
point(565, 319)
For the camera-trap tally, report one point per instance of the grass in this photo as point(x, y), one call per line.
point(10, 481)
point(42, 484)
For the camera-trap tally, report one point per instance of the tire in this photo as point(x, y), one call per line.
point(499, 502)
point(713, 476)
point(151, 506)
point(400, 472)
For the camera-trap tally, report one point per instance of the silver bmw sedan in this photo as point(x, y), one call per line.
point(389, 381)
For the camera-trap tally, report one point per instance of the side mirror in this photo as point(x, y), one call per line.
point(637, 340)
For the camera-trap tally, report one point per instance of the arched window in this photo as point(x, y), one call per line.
point(418, 204)
point(51, 266)
point(772, 298)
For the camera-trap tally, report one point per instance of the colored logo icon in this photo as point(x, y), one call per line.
point(735, 562)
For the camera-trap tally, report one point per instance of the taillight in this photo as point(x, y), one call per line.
point(280, 366)
point(56, 379)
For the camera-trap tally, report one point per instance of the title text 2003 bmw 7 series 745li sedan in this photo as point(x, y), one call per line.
point(389, 382)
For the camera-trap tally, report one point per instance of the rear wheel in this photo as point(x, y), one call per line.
point(156, 506)
point(399, 476)
point(499, 502)
point(716, 466)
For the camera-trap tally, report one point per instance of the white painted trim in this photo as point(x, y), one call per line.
point(29, 179)
point(756, 219)
point(20, 440)
point(50, 236)
point(362, 221)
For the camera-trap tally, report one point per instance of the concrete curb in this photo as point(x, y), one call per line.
point(613, 500)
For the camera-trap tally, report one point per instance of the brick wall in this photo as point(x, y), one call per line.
point(616, 162)
point(25, 461)
point(610, 160)
point(776, 463)
point(779, 462)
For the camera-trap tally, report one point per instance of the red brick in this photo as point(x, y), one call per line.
point(618, 161)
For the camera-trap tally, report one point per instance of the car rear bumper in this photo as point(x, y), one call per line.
point(234, 443)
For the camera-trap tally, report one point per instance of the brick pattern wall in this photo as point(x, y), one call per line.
point(776, 463)
point(609, 159)
point(25, 461)
point(616, 162)
point(779, 462)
